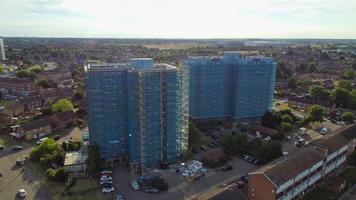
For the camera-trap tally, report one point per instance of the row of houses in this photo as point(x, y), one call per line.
point(44, 126)
point(289, 177)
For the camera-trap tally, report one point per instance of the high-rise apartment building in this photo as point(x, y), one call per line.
point(2, 49)
point(230, 86)
point(138, 111)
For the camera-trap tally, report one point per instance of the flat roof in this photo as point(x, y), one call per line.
point(75, 158)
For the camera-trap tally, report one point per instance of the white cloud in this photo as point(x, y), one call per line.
point(179, 18)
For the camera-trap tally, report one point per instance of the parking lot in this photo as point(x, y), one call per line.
point(179, 188)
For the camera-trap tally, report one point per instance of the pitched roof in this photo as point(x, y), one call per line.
point(63, 116)
point(36, 124)
point(283, 169)
point(331, 142)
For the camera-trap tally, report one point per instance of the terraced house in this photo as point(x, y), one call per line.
point(289, 177)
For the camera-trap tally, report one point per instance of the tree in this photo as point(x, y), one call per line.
point(316, 113)
point(36, 70)
point(25, 74)
point(312, 67)
point(348, 74)
point(270, 151)
point(287, 119)
point(78, 95)
point(43, 83)
point(1, 70)
point(319, 93)
point(346, 84)
point(48, 154)
point(286, 127)
point(293, 83)
point(353, 65)
point(62, 105)
point(341, 97)
point(347, 117)
point(269, 120)
point(233, 144)
point(94, 161)
point(194, 135)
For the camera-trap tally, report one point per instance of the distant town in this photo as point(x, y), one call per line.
point(158, 119)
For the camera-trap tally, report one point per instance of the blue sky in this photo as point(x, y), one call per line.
point(179, 18)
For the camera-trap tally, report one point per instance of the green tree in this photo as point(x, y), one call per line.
point(36, 70)
point(233, 144)
point(287, 119)
point(62, 105)
point(341, 97)
point(348, 74)
point(43, 83)
point(346, 84)
point(1, 70)
point(94, 161)
point(25, 74)
point(270, 151)
point(316, 113)
point(194, 135)
point(269, 120)
point(319, 93)
point(352, 99)
point(78, 95)
point(293, 83)
point(286, 127)
point(347, 117)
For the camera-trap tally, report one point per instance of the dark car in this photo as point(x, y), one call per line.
point(227, 168)
point(195, 150)
point(2, 147)
point(16, 147)
point(244, 178)
point(202, 147)
point(56, 137)
point(211, 145)
point(257, 162)
point(151, 190)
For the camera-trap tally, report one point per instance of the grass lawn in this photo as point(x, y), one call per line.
point(350, 175)
point(320, 194)
point(4, 102)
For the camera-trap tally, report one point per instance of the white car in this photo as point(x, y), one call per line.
point(106, 178)
point(22, 193)
point(107, 189)
point(268, 138)
point(105, 181)
point(41, 140)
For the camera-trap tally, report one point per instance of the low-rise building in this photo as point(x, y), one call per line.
point(17, 86)
point(304, 102)
point(35, 129)
point(290, 176)
point(15, 108)
point(5, 119)
point(75, 162)
point(63, 119)
point(32, 103)
point(56, 75)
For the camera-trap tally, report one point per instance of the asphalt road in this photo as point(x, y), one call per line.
point(15, 178)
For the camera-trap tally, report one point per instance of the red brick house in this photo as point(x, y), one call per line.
point(5, 119)
point(17, 86)
point(32, 103)
point(63, 119)
point(15, 108)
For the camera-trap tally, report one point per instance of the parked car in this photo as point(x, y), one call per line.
point(106, 173)
point(2, 147)
point(102, 182)
point(204, 148)
point(108, 189)
point(268, 138)
point(227, 168)
point(22, 193)
point(323, 131)
point(257, 162)
point(151, 190)
point(244, 178)
point(135, 185)
point(211, 145)
point(105, 177)
point(20, 163)
point(41, 140)
point(56, 137)
point(120, 197)
point(16, 147)
point(195, 150)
